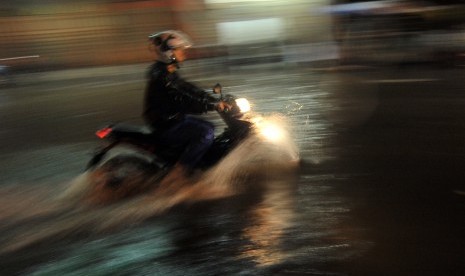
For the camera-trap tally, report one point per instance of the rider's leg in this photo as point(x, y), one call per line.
point(197, 135)
point(201, 136)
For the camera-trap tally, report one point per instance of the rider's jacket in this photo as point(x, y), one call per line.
point(168, 98)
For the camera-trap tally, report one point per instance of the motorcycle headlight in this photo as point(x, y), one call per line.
point(243, 105)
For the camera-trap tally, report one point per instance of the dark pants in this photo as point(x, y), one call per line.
point(195, 135)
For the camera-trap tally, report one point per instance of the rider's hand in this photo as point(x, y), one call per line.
point(221, 106)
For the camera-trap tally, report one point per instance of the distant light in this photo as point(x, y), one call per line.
point(232, 1)
point(258, 30)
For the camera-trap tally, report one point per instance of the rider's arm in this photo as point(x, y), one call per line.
point(192, 99)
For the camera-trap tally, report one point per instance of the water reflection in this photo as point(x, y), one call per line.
point(268, 221)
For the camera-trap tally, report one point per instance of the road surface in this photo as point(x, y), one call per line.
point(380, 190)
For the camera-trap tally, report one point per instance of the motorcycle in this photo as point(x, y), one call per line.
point(124, 175)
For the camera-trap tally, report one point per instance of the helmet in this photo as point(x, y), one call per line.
point(166, 41)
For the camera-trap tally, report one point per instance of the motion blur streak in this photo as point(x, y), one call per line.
point(373, 91)
point(93, 33)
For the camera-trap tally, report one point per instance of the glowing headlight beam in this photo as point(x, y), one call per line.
point(272, 132)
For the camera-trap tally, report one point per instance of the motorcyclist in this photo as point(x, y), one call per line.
point(169, 100)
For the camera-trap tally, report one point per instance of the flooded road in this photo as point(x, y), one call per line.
point(379, 190)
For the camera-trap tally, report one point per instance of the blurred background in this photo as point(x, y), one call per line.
point(381, 187)
point(46, 34)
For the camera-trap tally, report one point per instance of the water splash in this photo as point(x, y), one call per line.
point(69, 214)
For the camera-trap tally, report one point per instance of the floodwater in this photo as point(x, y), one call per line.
point(377, 190)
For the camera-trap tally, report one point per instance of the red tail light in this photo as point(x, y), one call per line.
point(102, 133)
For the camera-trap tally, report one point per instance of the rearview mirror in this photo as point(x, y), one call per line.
point(217, 88)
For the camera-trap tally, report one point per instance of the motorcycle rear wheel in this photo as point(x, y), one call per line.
point(122, 177)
